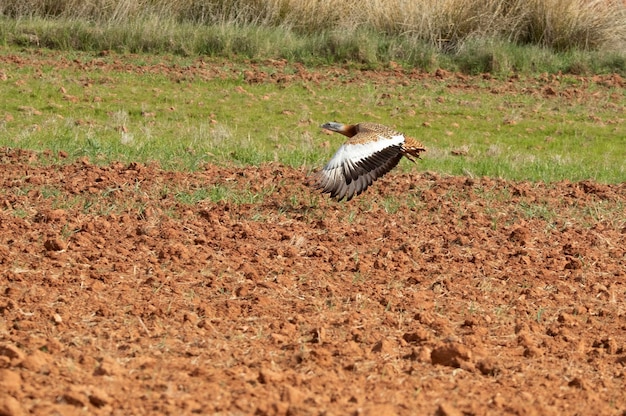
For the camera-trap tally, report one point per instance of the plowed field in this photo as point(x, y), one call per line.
point(426, 295)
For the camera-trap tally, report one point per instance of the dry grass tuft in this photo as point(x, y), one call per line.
point(577, 24)
point(561, 24)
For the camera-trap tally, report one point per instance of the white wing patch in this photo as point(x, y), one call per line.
point(355, 166)
point(357, 152)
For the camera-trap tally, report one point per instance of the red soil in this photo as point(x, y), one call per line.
point(116, 298)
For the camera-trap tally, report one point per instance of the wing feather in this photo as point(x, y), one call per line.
point(355, 166)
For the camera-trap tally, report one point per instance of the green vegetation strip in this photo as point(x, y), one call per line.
point(114, 107)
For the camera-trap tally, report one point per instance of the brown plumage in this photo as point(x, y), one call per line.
point(371, 151)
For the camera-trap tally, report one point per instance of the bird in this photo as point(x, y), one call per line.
point(370, 152)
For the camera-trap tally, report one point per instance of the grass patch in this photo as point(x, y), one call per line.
point(186, 112)
point(221, 193)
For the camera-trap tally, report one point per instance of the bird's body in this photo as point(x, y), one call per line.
point(371, 151)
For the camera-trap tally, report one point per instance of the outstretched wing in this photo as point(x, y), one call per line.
point(357, 164)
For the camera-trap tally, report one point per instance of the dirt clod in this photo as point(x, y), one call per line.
point(451, 355)
point(10, 406)
point(10, 381)
point(12, 352)
point(446, 409)
point(54, 244)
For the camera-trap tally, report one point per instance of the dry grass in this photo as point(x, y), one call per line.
point(446, 24)
point(580, 24)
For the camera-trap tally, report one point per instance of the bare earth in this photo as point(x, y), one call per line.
point(127, 301)
point(473, 296)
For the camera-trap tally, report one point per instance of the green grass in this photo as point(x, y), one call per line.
point(219, 193)
point(184, 119)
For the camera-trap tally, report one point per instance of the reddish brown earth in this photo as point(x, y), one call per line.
point(464, 296)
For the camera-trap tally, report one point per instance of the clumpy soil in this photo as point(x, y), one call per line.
point(127, 289)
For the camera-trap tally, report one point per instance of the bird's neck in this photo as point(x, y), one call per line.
point(350, 130)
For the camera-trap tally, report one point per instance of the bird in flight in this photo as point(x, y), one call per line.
point(371, 151)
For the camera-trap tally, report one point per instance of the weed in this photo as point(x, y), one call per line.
point(193, 197)
point(391, 205)
point(67, 232)
point(49, 192)
point(539, 211)
point(357, 278)
point(539, 315)
point(20, 213)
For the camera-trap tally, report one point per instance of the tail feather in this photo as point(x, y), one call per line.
point(411, 148)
